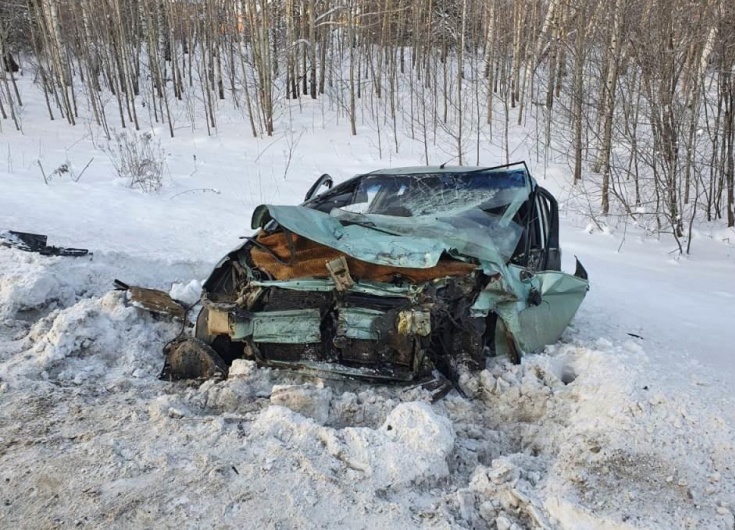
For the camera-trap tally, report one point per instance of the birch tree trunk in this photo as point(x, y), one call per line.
point(608, 102)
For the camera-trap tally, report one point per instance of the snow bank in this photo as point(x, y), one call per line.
point(98, 338)
point(408, 450)
point(30, 281)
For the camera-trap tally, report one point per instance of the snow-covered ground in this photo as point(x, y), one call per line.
point(628, 422)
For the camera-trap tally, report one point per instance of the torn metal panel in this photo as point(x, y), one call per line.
point(279, 327)
point(358, 323)
point(153, 300)
point(535, 309)
point(357, 241)
point(561, 296)
point(416, 242)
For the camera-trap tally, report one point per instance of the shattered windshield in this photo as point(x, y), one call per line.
point(415, 195)
point(471, 212)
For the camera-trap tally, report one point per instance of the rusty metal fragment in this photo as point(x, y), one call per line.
point(414, 323)
point(340, 273)
point(218, 322)
point(153, 300)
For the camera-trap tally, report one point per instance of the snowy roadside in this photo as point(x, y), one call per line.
point(587, 435)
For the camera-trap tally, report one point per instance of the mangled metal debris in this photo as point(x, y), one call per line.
point(153, 300)
point(390, 276)
point(37, 243)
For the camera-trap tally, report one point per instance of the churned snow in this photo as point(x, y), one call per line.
point(587, 435)
point(626, 423)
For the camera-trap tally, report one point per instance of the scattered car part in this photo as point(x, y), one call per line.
point(153, 300)
point(37, 243)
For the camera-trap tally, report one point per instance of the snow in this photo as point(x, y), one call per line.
point(626, 423)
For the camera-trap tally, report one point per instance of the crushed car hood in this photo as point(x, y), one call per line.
point(408, 242)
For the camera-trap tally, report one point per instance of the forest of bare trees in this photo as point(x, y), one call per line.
point(639, 95)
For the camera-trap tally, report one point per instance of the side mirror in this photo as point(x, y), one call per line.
point(324, 180)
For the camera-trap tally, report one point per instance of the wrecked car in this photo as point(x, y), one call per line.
point(389, 276)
